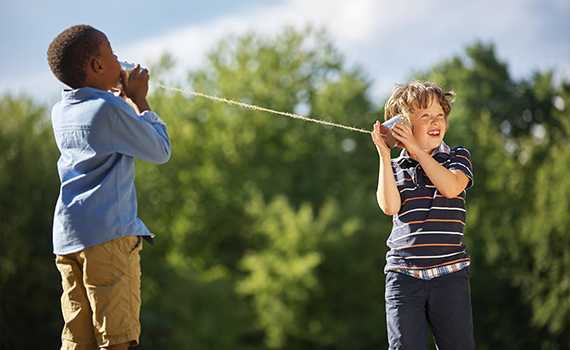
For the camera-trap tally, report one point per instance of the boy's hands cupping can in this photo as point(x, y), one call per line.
point(381, 146)
point(135, 87)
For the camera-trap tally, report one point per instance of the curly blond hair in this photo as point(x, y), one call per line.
point(408, 97)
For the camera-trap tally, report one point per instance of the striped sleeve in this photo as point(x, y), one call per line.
point(461, 160)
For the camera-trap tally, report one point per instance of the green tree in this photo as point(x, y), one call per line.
point(28, 189)
point(196, 203)
point(541, 268)
point(305, 286)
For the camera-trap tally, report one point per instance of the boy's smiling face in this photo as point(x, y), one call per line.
point(429, 125)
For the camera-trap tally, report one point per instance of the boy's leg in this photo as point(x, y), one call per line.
point(408, 327)
point(450, 312)
point(112, 281)
point(78, 327)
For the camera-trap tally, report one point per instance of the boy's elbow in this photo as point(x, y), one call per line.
point(390, 211)
point(451, 193)
point(164, 156)
point(389, 207)
point(454, 188)
point(162, 161)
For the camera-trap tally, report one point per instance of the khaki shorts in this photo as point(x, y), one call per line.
point(101, 294)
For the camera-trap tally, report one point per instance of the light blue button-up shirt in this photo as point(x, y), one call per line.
point(99, 135)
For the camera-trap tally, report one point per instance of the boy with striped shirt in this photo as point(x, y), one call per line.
point(427, 274)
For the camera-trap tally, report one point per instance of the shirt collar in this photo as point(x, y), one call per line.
point(81, 94)
point(442, 148)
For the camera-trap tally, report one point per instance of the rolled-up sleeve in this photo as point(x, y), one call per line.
point(140, 136)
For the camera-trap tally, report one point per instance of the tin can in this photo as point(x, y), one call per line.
point(127, 67)
point(386, 129)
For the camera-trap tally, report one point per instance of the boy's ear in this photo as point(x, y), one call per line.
point(96, 66)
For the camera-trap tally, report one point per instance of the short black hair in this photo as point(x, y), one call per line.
point(70, 52)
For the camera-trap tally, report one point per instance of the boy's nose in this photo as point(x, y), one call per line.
point(436, 119)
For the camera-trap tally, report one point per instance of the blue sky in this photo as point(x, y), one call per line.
point(389, 39)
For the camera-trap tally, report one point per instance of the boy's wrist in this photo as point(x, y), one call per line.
point(385, 160)
point(141, 105)
point(382, 154)
point(418, 155)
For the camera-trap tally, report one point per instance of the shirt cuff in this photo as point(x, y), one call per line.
point(152, 117)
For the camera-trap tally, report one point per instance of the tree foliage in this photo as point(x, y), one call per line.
point(28, 190)
point(268, 231)
point(232, 159)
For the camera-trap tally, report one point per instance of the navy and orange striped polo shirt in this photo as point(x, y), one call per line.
point(427, 232)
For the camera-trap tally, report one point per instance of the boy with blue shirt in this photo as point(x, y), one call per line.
point(427, 276)
point(97, 236)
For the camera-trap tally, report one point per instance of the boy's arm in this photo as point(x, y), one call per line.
point(387, 194)
point(145, 136)
point(450, 183)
